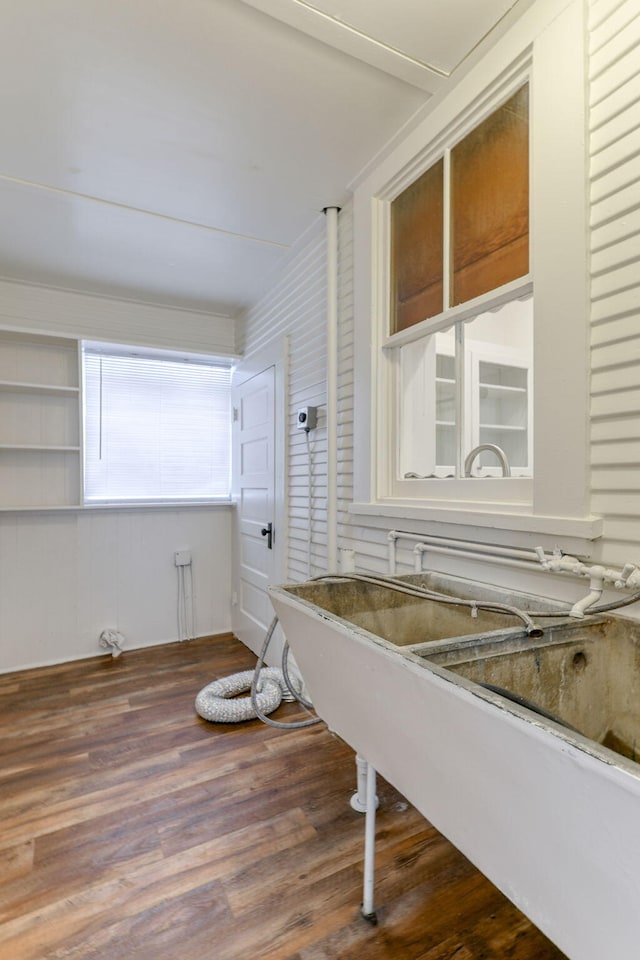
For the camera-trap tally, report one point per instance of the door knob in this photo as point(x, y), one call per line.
point(268, 533)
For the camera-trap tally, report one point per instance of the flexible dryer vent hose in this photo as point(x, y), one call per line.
point(218, 701)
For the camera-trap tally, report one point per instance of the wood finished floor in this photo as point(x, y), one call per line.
point(133, 830)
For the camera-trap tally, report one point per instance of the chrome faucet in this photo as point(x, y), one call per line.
point(499, 452)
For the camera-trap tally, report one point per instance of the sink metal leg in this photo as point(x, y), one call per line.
point(367, 909)
point(359, 799)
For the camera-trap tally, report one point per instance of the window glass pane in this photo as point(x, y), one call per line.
point(155, 429)
point(490, 202)
point(445, 422)
point(428, 407)
point(499, 361)
point(417, 250)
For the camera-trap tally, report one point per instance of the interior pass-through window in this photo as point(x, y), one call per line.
point(459, 245)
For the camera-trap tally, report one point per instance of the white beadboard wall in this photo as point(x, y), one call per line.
point(615, 254)
point(66, 576)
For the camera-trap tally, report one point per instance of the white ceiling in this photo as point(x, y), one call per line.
point(173, 150)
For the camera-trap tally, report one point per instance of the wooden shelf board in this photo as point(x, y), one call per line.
point(15, 386)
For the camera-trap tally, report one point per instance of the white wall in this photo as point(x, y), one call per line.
point(615, 290)
point(615, 452)
point(65, 576)
point(63, 313)
point(296, 308)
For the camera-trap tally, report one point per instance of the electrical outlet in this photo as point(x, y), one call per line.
point(307, 418)
point(182, 558)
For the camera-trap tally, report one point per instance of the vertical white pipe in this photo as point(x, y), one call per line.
point(368, 910)
point(331, 214)
point(460, 392)
point(359, 799)
point(391, 540)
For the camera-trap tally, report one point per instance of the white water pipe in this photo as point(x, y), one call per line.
point(513, 557)
point(508, 556)
point(368, 909)
point(331, 214)
point(597, 574)
point(359, 799)
point(522, 559)
point(579, 608)
point(422, 548)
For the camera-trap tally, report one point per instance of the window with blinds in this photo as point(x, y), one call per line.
point(156, 427)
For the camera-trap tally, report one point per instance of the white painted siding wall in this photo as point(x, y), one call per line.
point(296, 308)
point(615, 259)
point(345, 380)
point(64, 577)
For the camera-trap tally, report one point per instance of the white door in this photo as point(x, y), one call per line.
point(254, 490)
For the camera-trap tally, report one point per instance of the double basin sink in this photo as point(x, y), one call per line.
point(581, 675)
point(521, 749)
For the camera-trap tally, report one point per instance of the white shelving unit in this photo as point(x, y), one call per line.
point(498, 411)
point(445, 410)
point(496, 406)
point(504, 415)
point(40, 422)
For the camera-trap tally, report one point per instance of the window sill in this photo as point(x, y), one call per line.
point(510, 517)
point(506, 494)
point(86, 507)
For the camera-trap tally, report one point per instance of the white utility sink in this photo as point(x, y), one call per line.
point(548, 809)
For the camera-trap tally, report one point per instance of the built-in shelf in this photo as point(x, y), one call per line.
point(40, 422)
point(498, 390)
point(496, 408)
point(41, 508)
point(39, 447)
point(501, 426)
point(13, 386)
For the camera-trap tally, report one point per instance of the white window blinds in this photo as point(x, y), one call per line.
point(156, 428)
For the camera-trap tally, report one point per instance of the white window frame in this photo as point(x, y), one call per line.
point(111, 350)
point(546, 46)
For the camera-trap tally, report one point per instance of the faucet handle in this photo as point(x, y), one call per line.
point(539, 552)
point(627, 570)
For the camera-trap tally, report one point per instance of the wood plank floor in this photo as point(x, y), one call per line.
point(133, 830)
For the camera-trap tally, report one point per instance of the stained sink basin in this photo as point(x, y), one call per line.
point(406, 621)
point(549, 812)
point(584, 676)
